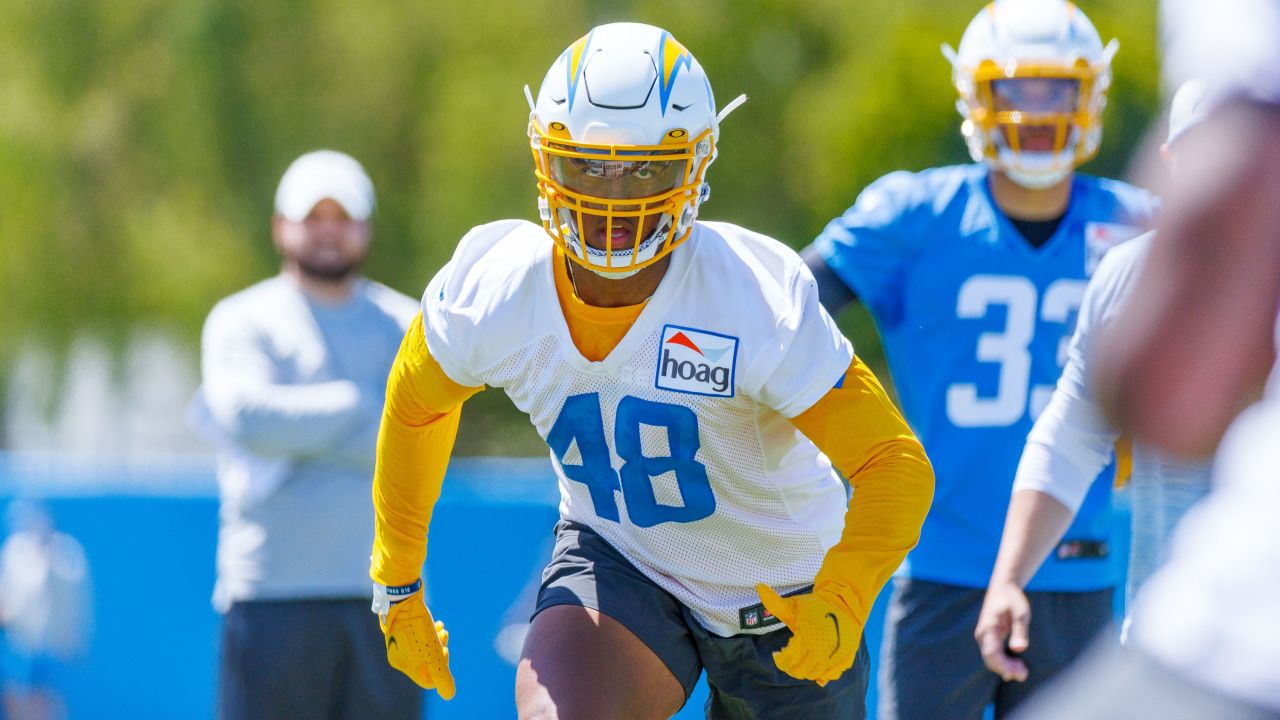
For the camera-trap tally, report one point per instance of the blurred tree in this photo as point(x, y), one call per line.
point(142, 139)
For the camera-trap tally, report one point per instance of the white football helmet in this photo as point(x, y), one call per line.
point(1033, 78)
point(622, 133)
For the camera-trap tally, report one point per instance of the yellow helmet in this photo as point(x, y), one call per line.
point(1033, 77)
point(622, 132)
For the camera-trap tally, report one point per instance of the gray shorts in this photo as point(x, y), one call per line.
point(930, 665)
point(744, 683)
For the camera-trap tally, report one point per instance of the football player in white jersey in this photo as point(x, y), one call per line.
point(696, 400)
point(1195, 343)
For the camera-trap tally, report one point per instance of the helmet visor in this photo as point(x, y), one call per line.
point(617, 179)
point(619, 207)
point(1036, 95)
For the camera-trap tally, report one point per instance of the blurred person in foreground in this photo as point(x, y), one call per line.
point(694, 396)
point(294, 372)
point(1195, 344)
point(45, 609)
point(973, 275)
point(1071, 443)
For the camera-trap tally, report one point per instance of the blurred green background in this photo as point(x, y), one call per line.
point(141, 142)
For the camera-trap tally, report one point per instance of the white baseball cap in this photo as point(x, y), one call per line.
point(320, 175)
point(1187, 108)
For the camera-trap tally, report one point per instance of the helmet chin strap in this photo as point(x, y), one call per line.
point(1035, 182)
point(613, 275)
point(595, 259)
point(1033, 170)
point(1034, 175)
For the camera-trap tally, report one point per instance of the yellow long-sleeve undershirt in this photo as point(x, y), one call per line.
point(419, 424)
point(858, 428)
point(855, 425)
point(595, 330)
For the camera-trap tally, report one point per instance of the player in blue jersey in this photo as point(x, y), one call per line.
point(973, 275)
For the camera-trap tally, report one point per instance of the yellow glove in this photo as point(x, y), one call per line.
point(417, 645)
point(825, 634)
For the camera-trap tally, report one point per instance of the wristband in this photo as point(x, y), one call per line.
point(385, 596)
point(400, 592)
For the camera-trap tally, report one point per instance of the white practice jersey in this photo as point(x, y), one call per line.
point(675, 448)
point(1071, 441)
point(1211, 611)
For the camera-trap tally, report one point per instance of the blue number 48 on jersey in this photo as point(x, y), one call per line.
point(581, 423)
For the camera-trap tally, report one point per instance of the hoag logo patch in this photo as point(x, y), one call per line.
point(696, 361)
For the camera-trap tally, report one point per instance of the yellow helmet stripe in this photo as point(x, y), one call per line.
point(574, 67)
point(673, 57)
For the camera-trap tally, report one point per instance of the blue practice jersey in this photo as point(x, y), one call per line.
point(975, 323)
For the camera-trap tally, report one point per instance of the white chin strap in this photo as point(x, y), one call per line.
point(599, 261)
point(613, 275)
point(1035, 171)
point(1032, 170)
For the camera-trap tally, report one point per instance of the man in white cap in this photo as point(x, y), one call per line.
point(295, 370)
point(1071, 442)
